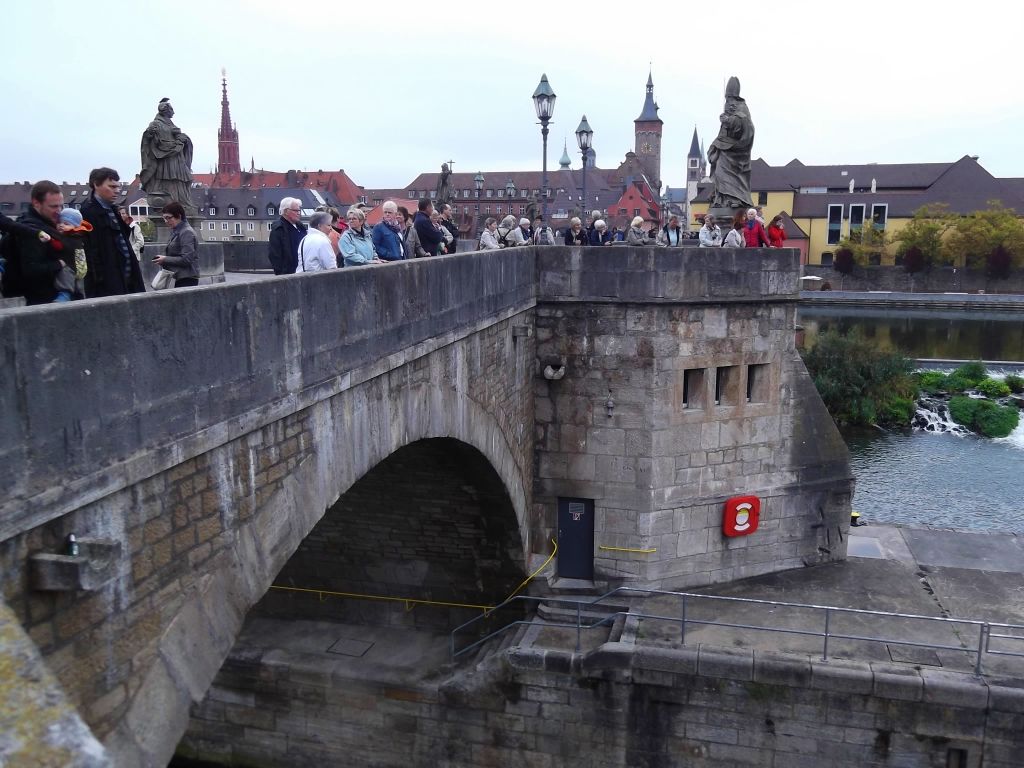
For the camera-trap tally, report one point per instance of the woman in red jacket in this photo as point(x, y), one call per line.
point(753, 232)
point(776, 232)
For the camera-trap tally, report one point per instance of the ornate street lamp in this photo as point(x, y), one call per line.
point(544, 103)
point(585, 138)
point(478, 182)
point(510, 188)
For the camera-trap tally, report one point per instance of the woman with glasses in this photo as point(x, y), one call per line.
point(356, 244)
point(182, 255)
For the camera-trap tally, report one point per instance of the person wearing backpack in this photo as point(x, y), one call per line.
point(506, 238)
point(542, 234)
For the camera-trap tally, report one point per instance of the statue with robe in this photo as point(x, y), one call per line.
point(729, 153)
point(444, 187)
point(166, 162)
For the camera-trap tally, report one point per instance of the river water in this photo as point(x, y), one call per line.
point(927, 478)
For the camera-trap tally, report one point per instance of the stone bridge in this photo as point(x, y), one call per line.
point(423, 429)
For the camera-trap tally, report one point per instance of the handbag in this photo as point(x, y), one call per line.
point(162, 280)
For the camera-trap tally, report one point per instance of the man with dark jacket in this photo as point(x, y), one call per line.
point(32, 261)
point(430, 239)
point(286, 236)
point(113, 268)
point(449, 223)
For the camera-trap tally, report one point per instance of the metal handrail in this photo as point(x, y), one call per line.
point(983, 646)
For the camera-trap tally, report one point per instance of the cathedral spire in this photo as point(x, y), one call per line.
point(227, 136)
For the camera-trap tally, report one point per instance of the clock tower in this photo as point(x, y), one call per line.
point(647, 129)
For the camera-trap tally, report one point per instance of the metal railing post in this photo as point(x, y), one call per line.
point(579, 627)
point(983, 631)
point(682, 624)
point(828, 622)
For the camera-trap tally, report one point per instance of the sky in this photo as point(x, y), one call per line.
point(316, 86)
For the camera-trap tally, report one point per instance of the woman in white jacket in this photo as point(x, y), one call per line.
point(489, 237)
point(315, 251)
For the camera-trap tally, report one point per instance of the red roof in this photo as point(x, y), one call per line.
point(336, 182)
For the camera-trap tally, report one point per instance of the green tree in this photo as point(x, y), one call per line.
point(924, 234)
point(986, 240)
point(861, 384)
point(863, 243)
point(148, 230)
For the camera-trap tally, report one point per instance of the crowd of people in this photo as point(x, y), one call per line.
point(747, 230)
point(56, 254)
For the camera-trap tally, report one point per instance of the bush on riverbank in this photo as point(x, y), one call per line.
point(1015, 383)
point(984, 416)
point(860, 384)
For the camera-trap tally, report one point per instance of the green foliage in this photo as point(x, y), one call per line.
point(861, 244)
point(975, 238)
point(1015, 383)
point(843, 261)
point(148, 229)
point(993, 388)
point(923, 234)
point(973, 372)
point(931, 382)
point(860, 384)
point(984, 416)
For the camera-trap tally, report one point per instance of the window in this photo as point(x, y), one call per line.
point(693, 162)
point(213, 210)
point(757, 383)
point(501, 193)
point(487, 210)
point(465, 194)
point(856, 218)
point(726, 385)
point(693, 388)
point(874, 259)
point(826, 258)
point(211, 225)
point(224, 225)
point(476, 208)
point(433, 194)
point(251, 239)
point(522, 210)
point(249, 227)
point(835, 224)
point(362, 199)
point(497, 211)
point(251, 210)
point(524, 193)
point(622, 211)
point(879, 214)
point(490, 193)
point(231, 210)
point(269, 226)
point(271, 211)
point(636, 211)
point(412, 194)
point(238, 229)
point(465, 210)
point(138, 210)
point(762, 198)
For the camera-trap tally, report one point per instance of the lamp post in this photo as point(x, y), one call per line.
point(585, 138)
point(544, 103)
point(478, 182)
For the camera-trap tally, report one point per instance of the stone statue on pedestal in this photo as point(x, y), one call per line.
point(729, 154)
point(166, 162)
point(444, 187)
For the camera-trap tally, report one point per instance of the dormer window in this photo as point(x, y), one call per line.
point(271, 211)
point(251, 211)
point(213, 210)
point(231, 210)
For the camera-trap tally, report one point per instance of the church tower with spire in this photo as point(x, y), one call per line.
point(227, 136)
point(647, 129)
point(696, 167)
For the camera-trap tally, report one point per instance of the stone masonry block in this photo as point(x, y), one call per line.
point(726, 663)
point(841, 676)
point(954, 688)
point(897, 682)
point(779, 669)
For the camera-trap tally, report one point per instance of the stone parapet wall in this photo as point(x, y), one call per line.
point(935, 280)
point(613, 707)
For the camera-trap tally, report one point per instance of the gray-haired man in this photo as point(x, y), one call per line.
point(286, 236)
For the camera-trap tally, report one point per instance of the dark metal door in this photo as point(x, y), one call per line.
point(576, 538)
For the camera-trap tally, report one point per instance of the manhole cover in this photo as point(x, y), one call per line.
point(911, 655)
point(348, 647)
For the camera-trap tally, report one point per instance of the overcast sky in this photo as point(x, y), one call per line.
point(320, 86)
